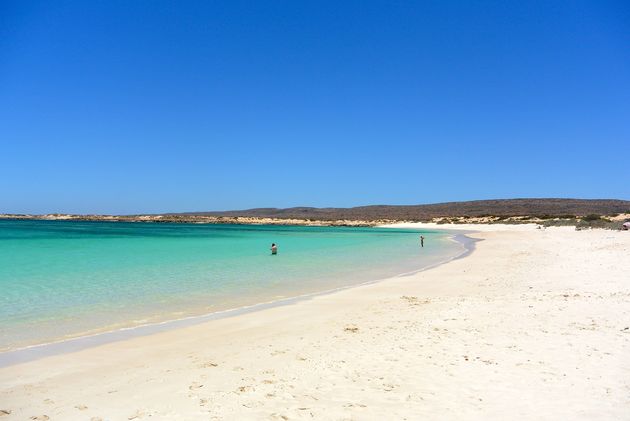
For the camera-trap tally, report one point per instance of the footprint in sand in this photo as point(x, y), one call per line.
point(40, 417)
point(138, 414)
point(243, 389)
point(195, 386)
point(208, 364)
point(352, 405)
point(4, 412)
point(96, 419)
point(81, 407)
point(352, 329)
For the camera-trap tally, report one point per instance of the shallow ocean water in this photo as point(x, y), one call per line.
point(63, 279)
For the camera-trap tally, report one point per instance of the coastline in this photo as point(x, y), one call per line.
point(200, 219)
point(533, 324)
point(74, 344)
point(513, 211)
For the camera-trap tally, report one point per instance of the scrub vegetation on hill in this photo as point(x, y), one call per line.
point(600, 213)
point(503, 208)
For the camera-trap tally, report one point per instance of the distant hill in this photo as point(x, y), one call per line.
point(500, 207)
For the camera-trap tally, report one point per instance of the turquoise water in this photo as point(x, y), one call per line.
point(62, 279)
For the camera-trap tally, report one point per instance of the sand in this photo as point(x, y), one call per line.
point(534, 324)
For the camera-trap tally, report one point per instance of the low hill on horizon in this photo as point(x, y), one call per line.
point(499, 207)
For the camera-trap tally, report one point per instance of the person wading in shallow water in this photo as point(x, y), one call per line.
point(422, 241)
point(274, 248)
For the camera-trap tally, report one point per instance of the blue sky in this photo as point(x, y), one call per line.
point(152, 106)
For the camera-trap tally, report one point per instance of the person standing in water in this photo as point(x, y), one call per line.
point(422, 241)
point(274, 248)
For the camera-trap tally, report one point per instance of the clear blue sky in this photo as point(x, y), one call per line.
point(152, 106)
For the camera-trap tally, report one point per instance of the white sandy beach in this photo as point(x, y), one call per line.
point(534, 324)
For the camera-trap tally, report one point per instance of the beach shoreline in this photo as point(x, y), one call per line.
point(103, 277)
point(533, 324)
point(77, 343)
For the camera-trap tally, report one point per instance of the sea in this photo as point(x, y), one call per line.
point(61, 280)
